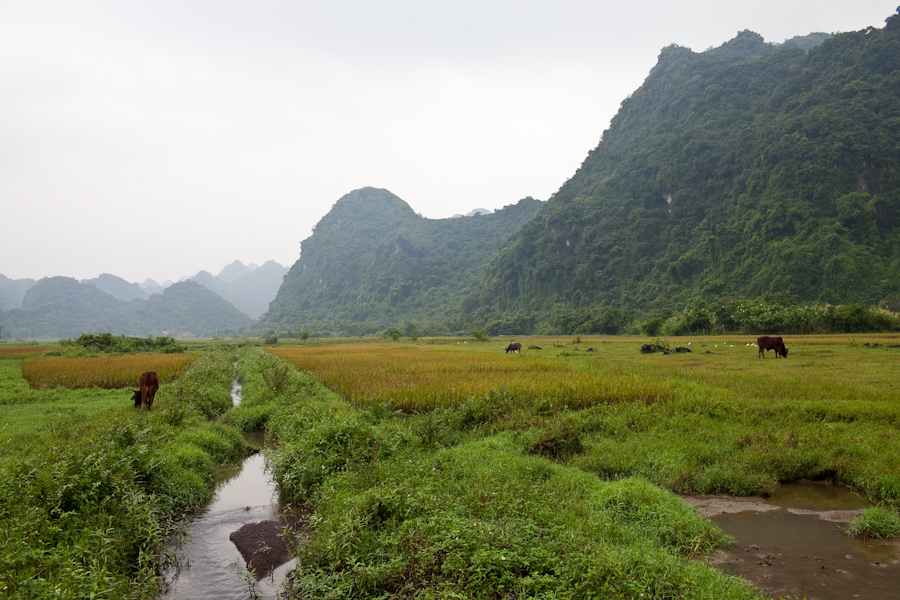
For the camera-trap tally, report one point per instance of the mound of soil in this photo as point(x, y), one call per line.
point(262, 545)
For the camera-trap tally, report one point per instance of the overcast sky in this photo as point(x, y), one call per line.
point(159, 138)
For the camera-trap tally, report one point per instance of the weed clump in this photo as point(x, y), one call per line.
point(877, 522)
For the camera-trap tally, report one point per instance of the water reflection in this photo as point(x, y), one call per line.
point(211, 566)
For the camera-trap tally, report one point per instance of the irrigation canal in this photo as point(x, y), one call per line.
point(211, 567)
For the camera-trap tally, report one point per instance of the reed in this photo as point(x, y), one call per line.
point(421, 378)
point(106, 372)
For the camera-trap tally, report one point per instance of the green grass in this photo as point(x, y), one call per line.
point(434, 505)
point(90, 491)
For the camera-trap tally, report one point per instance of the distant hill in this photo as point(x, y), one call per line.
point(118, 287)
point(12, 291)
point(235, 270)
point(372, 260)
point(746, 169)
point(250, 289)
point(62, 307)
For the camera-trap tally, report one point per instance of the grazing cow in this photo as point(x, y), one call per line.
point(149, 385)
point(513, 347)
point(771, 343)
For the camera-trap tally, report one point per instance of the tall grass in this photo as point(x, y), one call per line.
point(13, 352)
point(106, 372)
point(416, 379)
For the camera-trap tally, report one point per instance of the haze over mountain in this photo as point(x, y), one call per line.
point(118, 287)
point(12, 291)
point(62, 307)
point(249, 288)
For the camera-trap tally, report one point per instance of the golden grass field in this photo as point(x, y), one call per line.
point(13, 352)
point(416, 378)
point(106, 372)
point(420, 376)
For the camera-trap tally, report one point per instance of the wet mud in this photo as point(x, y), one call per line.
point(793, 544)
point(265, 545)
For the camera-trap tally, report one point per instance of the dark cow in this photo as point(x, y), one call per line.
point(149, 385)
point(514, 347)
point(771, 343)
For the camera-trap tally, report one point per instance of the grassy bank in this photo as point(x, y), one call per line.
point(90, 491)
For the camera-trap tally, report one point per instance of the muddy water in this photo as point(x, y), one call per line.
point(793, 544)
point(211, 566)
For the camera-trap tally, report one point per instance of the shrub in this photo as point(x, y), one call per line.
point(481, 335)
point(876, 522)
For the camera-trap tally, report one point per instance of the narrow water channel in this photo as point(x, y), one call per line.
point(211, 567)
point(793, 544)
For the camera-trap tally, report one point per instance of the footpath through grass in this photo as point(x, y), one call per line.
point(90, 491)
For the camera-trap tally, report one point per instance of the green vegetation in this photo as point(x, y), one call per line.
point(107, 344)
point(518, 491)
point(876, 522)
point(89, 490)
point(479, 475)
point(431, 506)
point(372, 263)
point(737, 171)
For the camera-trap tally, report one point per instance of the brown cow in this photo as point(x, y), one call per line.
point(771, 343)
point(149, 385)
point(514, 347)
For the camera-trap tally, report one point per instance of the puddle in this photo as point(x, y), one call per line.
point(793, 544)
point(211, 565)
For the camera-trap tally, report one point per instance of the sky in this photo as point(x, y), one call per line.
point(157, 139)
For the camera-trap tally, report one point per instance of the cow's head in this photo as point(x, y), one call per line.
point(137, 397)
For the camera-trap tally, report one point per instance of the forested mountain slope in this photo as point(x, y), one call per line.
point(372, 261)
point(744, 169)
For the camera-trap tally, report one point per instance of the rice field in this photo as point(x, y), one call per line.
point(415, 378)
point(13, 352)
point(107, 372)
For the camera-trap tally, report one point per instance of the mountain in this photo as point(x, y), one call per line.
point(742, 170)
point(150, 287)
point(250, 289)
point(118, 287)
point(12, 291)
point(372, 260)
point(237, 269)
point(187, 308)
point(62, 307)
